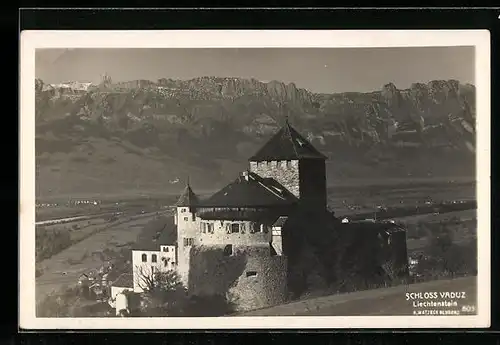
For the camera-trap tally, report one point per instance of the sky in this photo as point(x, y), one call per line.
point(324, 70)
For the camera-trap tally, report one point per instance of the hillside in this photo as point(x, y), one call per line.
point(148, 136)
point(377, 302)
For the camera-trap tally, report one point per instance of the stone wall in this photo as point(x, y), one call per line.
point(220, 235)
point(285, 172)
point(250, 278)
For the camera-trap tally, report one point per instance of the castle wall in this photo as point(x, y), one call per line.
point(219, 235)
point(187, 235)
point(312, 177)
point(285, 172)
point(250, 278)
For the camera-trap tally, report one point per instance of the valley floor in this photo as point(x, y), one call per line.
point(60, 270)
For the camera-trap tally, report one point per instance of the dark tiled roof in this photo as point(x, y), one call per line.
point(253, 191)
point(287, 144)
point(187, 198)
point(124, 280)
point(161, 231)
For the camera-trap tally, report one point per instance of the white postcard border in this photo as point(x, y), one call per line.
point(31, 40)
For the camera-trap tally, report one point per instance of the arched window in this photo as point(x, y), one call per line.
point(228, 250)
point(153, 258)
point(144, 257)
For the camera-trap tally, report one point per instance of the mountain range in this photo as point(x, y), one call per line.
point(148, 136)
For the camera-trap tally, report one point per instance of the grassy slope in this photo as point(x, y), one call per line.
point(387, 301)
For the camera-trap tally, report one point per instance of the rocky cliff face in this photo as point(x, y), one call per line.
point(144, 134)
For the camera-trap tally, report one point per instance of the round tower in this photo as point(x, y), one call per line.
point(185, 219)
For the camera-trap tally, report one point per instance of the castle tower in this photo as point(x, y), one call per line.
point(185, 219)
point(296, 164)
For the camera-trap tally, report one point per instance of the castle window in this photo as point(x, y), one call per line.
point(183, 210)
point(288, 163)
point(210, 228)
point(188, 242)
point(154, 258)
point(235, 227)
point(242, 228)
point(186, 219)
point(165, 263)
point(203, 227)
point(228, 250)
point(251, 273)
point(144, 257)
point(255, 227)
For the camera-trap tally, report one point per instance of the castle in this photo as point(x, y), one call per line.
point(239, 240)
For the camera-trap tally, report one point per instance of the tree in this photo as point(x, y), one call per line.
point(164, 294)
point(441, 240)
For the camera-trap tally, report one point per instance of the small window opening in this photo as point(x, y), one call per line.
point(186, 219)
point(228, 250)
point(235, 227)
point(154, 258)
point(144, 257)
point(251, 273)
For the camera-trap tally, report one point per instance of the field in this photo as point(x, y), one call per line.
point(365, 198)
point(64, 268)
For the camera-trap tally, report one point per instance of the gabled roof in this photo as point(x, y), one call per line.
point(287, 144)
point(158, 232)
point(125, 280)
point(250, 190)
point(187, 198)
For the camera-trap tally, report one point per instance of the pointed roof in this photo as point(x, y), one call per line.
point(188, 197)
point(287, 144)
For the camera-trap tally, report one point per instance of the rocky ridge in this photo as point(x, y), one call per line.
point(153, 132)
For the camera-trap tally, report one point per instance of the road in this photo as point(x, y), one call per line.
point(386, 301)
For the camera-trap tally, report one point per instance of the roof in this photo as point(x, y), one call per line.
point(161, 231)
point(280, 221)
point(287, 144)
point(187, 198)
point(124, 280)
point(250, 190)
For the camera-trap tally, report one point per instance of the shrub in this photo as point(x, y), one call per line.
point(50, 242)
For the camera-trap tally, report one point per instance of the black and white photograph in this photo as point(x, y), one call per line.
point(169, 183)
